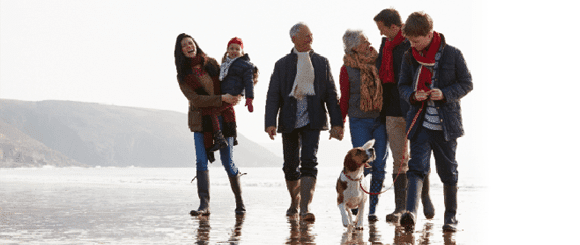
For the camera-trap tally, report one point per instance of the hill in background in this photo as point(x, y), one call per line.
point(67, 133)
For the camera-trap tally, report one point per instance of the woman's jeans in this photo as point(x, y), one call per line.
point(364, 129)
point(226, 154)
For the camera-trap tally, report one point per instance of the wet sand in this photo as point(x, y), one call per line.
point(140, 206)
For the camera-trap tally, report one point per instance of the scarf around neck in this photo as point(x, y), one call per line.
point(304, 81)
point(371, 90)
point(386, 72)
point(225, 67)
point(427, 61)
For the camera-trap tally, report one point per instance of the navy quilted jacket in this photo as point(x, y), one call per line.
point(452, 78)
point(240, 77)
point(280, 102)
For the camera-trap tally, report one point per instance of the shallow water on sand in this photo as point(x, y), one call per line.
point(151, 206)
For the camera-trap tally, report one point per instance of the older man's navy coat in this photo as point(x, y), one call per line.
point(452, 77)
point(279, 100)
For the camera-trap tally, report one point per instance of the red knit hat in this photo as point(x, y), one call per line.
point(236, 40)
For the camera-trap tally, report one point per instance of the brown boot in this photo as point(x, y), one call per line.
point(294, 190)
point(202, 193)
point(237, 190)
point(307, 186)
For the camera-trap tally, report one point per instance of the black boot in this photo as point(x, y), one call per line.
point(450, 196)
point(203, 193)
point(376, 187)
point(400, 197)
point(219, 141)
point(414, 186)
point(237, 189)
point(428, 208)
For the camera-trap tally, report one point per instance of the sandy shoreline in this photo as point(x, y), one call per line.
point(50, 212)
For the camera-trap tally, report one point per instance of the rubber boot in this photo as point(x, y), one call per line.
point(294, 190)
point(202, 193)
point(450, 196)
point(400, 198)
point(307, 186)
point(428, 208)
point(237, 190)
point(409, 217)
point(219, 141)
point(376, 187)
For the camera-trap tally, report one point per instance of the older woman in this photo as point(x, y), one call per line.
point(198, 79)
point(362, 99)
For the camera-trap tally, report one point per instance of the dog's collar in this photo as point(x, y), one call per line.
point(351, 179)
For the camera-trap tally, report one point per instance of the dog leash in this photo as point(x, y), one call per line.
point(402, 160)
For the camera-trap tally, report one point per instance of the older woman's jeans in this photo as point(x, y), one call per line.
point(300, 147)
point(423, 143)
point(364, 129)
point(226, 154)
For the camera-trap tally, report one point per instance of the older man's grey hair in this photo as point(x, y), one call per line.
point(351, 39)
point(296, 28)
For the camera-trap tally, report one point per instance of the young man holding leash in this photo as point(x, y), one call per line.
point(434, 78)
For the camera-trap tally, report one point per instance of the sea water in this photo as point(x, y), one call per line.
point(110, 205)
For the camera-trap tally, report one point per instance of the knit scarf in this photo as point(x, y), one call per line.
point(225, 67)
point(371, 90)
point(386, 72)
point(427, 60)
point(304, 81)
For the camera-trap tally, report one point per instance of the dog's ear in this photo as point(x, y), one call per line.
point(349, 163)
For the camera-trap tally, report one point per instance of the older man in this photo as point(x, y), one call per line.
point(300, 93)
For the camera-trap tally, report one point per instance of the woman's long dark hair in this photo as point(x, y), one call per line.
point(183, 64)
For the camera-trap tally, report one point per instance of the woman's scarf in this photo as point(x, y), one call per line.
point(386, 72)
point(371, 90)
point(304, 81)
point(225, 67)
point(427, 61)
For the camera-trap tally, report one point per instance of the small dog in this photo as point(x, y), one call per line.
point(350, 195)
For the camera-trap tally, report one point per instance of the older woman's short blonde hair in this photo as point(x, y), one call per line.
point(351, 39)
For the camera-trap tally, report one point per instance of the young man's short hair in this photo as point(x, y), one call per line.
point(418, 24)
point(389, 17)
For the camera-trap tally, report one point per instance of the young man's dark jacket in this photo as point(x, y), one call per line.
point(393, 104)
point(279, 99)
point(451, 76)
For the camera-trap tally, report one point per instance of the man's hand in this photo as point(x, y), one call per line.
point(421, 95)
point(336, 132)
point(271, 132)
point(437, 94)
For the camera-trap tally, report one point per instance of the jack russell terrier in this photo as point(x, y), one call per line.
point(348, 186)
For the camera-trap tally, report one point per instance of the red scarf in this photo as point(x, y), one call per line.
point(424, 77)
point(386, 71)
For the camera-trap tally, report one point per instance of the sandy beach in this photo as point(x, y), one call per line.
point(151, 206)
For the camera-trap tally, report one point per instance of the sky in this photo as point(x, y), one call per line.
point(517, 119)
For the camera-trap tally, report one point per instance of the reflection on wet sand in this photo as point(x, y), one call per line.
point(236, 235)
point(202, 234)
point(299, 231)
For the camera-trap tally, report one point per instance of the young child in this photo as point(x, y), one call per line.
point(237, 74)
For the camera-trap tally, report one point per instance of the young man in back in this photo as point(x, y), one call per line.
point(394, 110)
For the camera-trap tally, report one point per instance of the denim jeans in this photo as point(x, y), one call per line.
point(300, 147)
point(423, 142)
point(364, 129)
point(226, 154)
